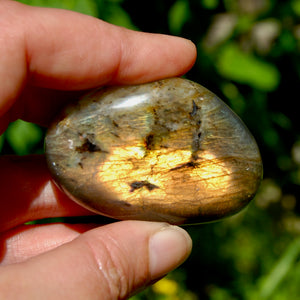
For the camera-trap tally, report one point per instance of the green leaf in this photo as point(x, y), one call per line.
point(288, 42)
point(118, 16)
point(280, 270)
point(236, 100)
point(179, 13)
point(296, 6)
point(236, 65)
point(23, 136)
point(210, 4)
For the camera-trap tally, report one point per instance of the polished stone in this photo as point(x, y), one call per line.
point(168, 151)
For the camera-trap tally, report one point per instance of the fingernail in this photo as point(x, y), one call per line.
point(168, 248)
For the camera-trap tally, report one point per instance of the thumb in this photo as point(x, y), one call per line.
point(109, 262)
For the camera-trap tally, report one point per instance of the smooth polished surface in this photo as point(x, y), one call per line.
point(167, 151)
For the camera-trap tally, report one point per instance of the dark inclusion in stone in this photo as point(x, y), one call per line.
point(149, 141)
point(195, 108)
point(88, 146)
point(168, 151)
point(139, 184)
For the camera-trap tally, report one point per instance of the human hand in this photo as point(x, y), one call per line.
point(47, 57)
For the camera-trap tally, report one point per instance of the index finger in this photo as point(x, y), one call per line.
point(64, 50)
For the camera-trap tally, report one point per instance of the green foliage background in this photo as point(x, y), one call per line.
point(248, 54)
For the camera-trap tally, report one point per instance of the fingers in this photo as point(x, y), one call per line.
point(105, 263)
point(28, 194)
point(24, 242)
point(65, 50)
point(81, 52)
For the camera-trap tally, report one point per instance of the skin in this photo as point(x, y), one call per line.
point(48, 57)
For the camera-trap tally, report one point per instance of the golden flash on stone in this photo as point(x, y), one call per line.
point(168, 150)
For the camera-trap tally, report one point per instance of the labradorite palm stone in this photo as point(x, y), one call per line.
point(169, 150)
